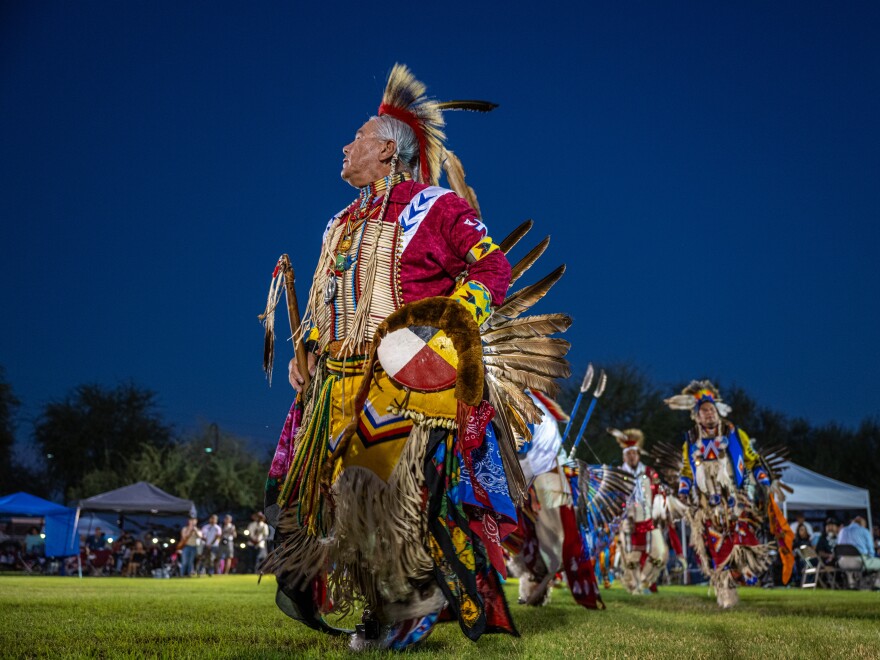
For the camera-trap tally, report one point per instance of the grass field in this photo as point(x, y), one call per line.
point(234, 617)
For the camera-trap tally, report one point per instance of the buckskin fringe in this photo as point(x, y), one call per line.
point(300, 556)
point(375, 519)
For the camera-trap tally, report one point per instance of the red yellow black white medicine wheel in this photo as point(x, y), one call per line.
point(420, 357)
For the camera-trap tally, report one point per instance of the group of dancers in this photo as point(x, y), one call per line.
point(423, 447)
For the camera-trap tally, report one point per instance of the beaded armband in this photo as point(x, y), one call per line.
point(476, 298)
point(311, 340)
point(482, 249)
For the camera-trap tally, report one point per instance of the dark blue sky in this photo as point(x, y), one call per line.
point(709, 174)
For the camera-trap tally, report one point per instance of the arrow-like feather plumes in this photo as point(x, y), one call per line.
point(515, 236)
point(588, 378)
point(528, 261)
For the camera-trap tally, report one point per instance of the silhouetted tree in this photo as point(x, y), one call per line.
point(90, 438)
point(228, 478)
point(8, 407)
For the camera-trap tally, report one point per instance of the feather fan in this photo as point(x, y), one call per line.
point(602, 494)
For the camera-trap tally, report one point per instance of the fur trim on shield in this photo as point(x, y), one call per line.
point(461, 328)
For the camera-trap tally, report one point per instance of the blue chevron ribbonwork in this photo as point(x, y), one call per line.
point(417, 210)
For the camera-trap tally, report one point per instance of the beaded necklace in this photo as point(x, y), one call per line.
point(357, 213)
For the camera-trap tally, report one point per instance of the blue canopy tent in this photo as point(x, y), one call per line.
point(61, 538)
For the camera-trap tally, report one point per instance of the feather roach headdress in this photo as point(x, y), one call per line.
point(405, 100)
point(629, 439)
point(696, 394)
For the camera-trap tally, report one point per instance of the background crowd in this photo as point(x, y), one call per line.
point(210, 548)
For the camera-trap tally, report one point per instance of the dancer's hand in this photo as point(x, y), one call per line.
point(293, 374)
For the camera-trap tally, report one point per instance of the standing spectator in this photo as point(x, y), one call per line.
point(189, 543)
point(211, 533)
point(227, 545)
point(827, 542)
point(257, 532)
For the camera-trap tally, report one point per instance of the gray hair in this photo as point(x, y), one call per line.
point(389, 128)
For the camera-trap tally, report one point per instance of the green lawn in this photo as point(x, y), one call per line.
point(234, 617)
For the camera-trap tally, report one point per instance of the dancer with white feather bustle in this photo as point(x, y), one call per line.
point(394, 480)
point(642, 546)
point(716, 463)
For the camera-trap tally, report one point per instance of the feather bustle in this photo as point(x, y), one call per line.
point(515, 236)
point(528, 261)
point(525, 298)
point(544, 365)
point(551, 346)
point(537, 325)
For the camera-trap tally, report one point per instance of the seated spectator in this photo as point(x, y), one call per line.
point(119, 550)
point(876, 534)
point(96, 541)
point(856, 534)
point(138, 556)
point(800, 520)
point(34, 544)
point(801, 536)
point(827, 541)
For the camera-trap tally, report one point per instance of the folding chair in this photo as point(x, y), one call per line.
point(850, 563)
point(810, 570)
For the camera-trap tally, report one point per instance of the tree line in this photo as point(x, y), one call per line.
point(98, 438)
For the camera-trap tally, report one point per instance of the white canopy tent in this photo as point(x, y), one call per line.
point(816, 491)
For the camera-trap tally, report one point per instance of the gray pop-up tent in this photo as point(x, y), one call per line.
point(816, 491)
point(142, 497)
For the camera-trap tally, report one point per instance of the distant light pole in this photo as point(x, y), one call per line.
point(214, 433)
